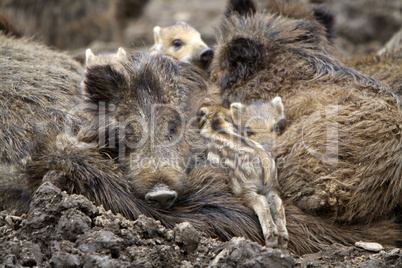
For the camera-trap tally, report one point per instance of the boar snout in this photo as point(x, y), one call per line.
point(161, 196)
point(206, 54)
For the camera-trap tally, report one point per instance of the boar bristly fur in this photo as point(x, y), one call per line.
point(117, 163)
point(339, 157)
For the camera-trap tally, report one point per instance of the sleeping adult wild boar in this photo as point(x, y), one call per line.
point(339, 156)
point(38, 88)
point(133, 157)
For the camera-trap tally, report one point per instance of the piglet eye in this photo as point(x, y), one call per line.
point(248, 132)
point(177, 43)
point(202, 112)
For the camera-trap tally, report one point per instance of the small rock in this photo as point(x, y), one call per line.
point(72, 224)
point(102, 261)
point(29, 254)
point(369, 246)
point(149, 228)
point(186, 236)
point(12, 220)
point(240, 252)
point(11, 262)
point(99, 240)
point(82, 203)
point(186, 264)
point(62, 259)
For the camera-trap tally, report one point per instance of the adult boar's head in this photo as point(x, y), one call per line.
point(142, 106)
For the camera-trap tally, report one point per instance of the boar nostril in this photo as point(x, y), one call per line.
point(161, 198)
point(206, 54)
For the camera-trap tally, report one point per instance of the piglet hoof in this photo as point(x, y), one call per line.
point(271, 239)
point(283, 240)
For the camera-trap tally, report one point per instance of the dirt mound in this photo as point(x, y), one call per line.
point(63, 230)
point(69, 231)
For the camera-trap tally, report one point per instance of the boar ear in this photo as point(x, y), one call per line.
point(244, 56)
point(327, 19)
point(121, 53)
point(89, 56)
point(278, 105)
point(102, 83)
point(245, 51)
point(157, 37)
point(236, 109)
point(279, 126)
point(241, 7)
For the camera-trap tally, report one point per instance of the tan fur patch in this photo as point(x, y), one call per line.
point(181, 41)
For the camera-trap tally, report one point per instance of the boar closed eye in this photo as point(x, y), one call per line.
point(248, 132)
point(173, 128)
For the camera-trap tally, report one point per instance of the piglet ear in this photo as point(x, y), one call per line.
point(157, 37)
point(278, 105)
point(280, 125)
point(89, 56)
point(236, 109)
point(121, 53)
point(102, 83)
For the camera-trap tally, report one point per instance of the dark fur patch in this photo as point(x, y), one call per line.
point(326, 18)
point(241, 7)
point(311, 31)
point(280, 126)
point(102, 82)
point(244, 56)
point(216, 125)
point(243, 50)
point(147, 88)
point(320, 95)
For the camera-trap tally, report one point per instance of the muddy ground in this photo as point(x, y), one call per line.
point(69, 231)
point(63, 230)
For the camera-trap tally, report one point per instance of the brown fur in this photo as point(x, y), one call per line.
point(146, 129)
point(309, 233)
point(241, 7)
point(39, 89)
point(252, 171)
point(303, 9)
point(38, 94)
point(85, 165)
point(340, 155)
point(118, 60)
point(183, 42)
point(386, 67)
